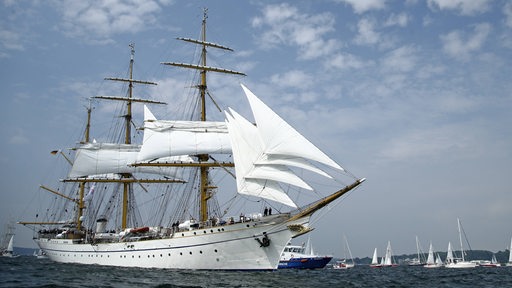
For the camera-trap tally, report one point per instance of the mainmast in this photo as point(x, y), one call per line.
point(205, 193)
point(127, 185)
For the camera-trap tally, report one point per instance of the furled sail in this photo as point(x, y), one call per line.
point(164, 138)
point(263, 153)
point(107, 158)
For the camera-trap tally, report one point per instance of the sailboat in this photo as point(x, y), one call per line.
point(302, 257)
point(509, 263)
point(388, 258)
point(433, 261)
point(419, 261)
point(375, 260)
point(97, 222)
point(7, 249)
point(492, 263)
point(344, 263)
point(458, 262)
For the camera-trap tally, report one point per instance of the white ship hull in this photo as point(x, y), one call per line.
point(229, 247)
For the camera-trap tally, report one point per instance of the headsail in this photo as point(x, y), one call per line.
point(262, 153)
point(282, 139)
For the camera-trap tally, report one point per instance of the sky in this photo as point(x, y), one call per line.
point(415, 96)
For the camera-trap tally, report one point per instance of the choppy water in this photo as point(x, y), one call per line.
point(27, 271)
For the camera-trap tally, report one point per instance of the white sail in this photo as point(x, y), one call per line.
point(375, 259)
point(449, 254)
point(430, 259)
point(282, 139)
point(510, 252)
point(263, 153)
point(164, 138)
point(10, 246)
point(246, 147)
point(108, 158)
point(439, 262)
point(387, 259)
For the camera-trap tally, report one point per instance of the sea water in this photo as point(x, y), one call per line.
point(28, 271)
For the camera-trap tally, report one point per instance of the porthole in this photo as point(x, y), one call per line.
point(195, 233)
point(169, 254)
point(161, 255)
point(182, 234)
point(149, 256)
point(190, 252)
point(200, 252)
point(215, 250)
point(204, 231)
point(211, 231)
point(181, 253)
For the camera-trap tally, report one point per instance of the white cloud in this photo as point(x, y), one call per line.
point(361, 6)
point(459, 48)
point(397, 20)
point(100, 19)
point(366, 32)
point(293, 78)
point(465, 7)
point(507, 10)
point(10, 40)
point(402, 59)
point(288, 26)
point(344, 61)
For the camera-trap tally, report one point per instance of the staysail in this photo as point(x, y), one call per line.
point(263, 153)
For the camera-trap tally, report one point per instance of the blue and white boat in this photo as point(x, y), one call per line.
point(302, 257)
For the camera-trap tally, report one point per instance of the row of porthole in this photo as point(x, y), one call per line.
point(211, 230)
point(133, 256)
point(204, 231)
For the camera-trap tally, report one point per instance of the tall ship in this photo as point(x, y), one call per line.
point(152, 200)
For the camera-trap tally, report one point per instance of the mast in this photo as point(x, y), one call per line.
point(127, 186)
point(81, 187)
point(205, 188)
point(460, 238)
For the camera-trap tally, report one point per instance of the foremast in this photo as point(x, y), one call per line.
point(205, 187)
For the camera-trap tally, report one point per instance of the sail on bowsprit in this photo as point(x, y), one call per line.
point(186, 229)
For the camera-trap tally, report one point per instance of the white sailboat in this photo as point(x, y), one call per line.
point(345, 263)
point(432, 261)
point(509, 263)
point(459, 262)
point(490, 263)
point(375, 260)
point(192, 232)
point(419, 260)
point(7, 249)
point(388, 259)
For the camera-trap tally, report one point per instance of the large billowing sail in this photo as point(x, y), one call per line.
point(163, 138)
point(282, 139)
point(262, 153)
point(247, 147)
point(106, 158)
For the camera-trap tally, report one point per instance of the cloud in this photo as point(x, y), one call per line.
point(402, 59)
point(464, 7)
point(366, 32)
point(18, 138)
point(98, 20)
point(459, 48)
point(507, 10)
point(286, 25)
point(293, 78)
point(397, 20)
point(362, 6)
point(345, 61)
point(10, 40)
